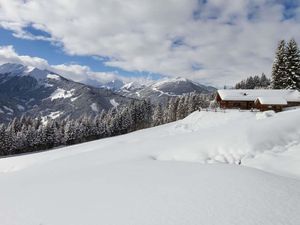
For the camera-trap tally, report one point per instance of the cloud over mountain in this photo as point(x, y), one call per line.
point(215, 41)
point(71, 71)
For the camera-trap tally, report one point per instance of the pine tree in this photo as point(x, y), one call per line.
point(256, 81)
point(250, 83)
point(173, 109)
point(293, 66)
point(181, 109)
point(3, 150)
point(279, 74)
point(9, 141)
point(158, 116)
point(264, 81)
point(69, 134)
point(191, 103)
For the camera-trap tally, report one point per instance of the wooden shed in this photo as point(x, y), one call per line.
point(270, 103)
point(262, 99)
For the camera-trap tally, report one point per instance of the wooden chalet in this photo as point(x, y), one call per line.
point(262, 99)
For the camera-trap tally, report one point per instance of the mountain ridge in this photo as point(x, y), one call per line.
point(31, 91)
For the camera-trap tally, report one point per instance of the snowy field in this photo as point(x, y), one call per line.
point(212, 168)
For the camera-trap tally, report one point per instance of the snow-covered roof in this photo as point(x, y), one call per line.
point(253, 94)
point(272, 100)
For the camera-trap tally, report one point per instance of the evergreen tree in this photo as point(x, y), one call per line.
point(158, 116)
point(181, 108)
point(264, 81)
point(255, 82)
point(3, 150)
point(279, 75)
point(293, 66)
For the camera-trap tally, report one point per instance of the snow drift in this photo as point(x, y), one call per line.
point(177, 173)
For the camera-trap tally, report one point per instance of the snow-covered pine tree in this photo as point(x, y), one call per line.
point(264, 81)
point(3, 150)
point(9, 140)
point(58, 137)
point(31, 138)
point(157, 116)
point(49, 134)
point(192, 103)
point(279, 67)
point(256, 81)
point(126, 121)
point(20, 142)
point(70, 135)
point(181, 109)
point(293, 65)
point(148, 111)
point(100, 122)
point(173, 109)
point(250, 83)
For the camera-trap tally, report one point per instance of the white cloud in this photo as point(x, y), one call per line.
point(226, 39)
point(74, 72)
point(8, 54)
point(83, 73)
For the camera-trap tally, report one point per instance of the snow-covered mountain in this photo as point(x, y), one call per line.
point(221, 168)
point(114, 85)
point(36, 92)
point(157, 91)
point(161, 90)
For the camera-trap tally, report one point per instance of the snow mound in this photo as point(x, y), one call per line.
point(264, 115)
point(232, 137)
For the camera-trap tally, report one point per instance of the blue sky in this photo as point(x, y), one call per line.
point(212, 41)
point(55, 55)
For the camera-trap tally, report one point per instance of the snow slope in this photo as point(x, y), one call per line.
point(169, 174)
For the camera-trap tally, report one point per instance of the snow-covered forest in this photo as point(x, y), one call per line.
point(27, 134)
point(254, 82)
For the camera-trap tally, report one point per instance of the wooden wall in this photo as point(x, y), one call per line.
point(251, 105)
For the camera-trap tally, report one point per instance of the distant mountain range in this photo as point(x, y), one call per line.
point(158, 91)
point(29, 90)
point(36, 92)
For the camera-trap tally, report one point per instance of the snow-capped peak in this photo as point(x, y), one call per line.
point(29, 69)
point(132, 86)
point(12, 68)
point(170, 80)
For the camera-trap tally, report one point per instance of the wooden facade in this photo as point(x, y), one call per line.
point(253, 104)
point(231, 104)
point(265, 107)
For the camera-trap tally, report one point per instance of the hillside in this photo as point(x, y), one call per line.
point(36, 92)
point(186, 172)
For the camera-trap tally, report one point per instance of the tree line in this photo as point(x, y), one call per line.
point(28, 134)
point(254, 82)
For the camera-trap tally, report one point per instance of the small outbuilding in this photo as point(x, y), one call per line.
point(265, 99)
point(270, 103)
